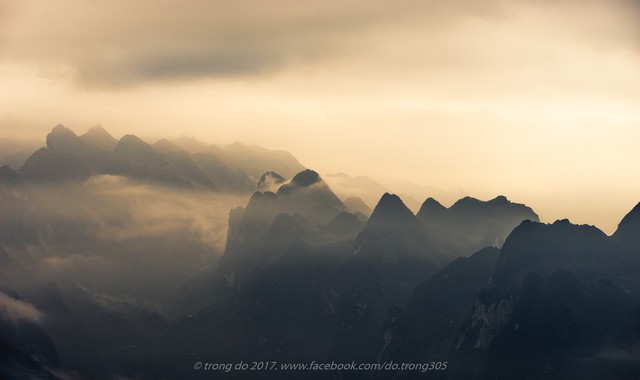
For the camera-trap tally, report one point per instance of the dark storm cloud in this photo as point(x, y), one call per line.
point(122, 42)
point(117, 43)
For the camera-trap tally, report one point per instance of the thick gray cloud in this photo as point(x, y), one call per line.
point(123, 42)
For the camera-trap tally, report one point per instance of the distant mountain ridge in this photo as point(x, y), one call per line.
point(99, 138)
point(187, 163)
point(305, 276)
point(300, 270)
point(471, 224)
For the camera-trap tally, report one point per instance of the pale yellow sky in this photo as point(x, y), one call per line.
point(534, 99)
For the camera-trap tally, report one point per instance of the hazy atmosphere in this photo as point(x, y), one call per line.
point(537, 100)
point(357, 189)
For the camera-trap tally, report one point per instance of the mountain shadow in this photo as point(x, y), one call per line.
point(563, 303)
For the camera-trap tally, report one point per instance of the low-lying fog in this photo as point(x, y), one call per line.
point(121, 240)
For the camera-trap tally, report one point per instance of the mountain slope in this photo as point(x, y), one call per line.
point(309, 195)
point(470, 224)
point(561, 296)
point(188, 163)
point(428, 323)
point(99, 138)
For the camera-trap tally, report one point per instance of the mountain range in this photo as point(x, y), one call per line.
point(184, 163)
point(306, 274)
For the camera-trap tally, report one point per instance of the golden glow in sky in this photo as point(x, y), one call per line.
point(538, 100)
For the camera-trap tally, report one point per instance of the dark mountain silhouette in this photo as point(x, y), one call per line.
point(628, 232)
point(432, 211)
point(54, 165)
point(131, 145)
point(389, 259)
point(64, 158)
point(305, 277)
point(427, 325)
point(61, 137)
point(470, 224)
point(306, 197)
point(294, 284)
point(188, 163)
point(99, 138)
point(561, 329)
point(183, 163)
point(562, 299)
point(411, 192)
point(391, 213)
point(144, 162)
point(270, 181)
point(68, 157)
point(543, 248)
point(309, 195)
point(26, 350)
point(305, 178)
point(394, 232)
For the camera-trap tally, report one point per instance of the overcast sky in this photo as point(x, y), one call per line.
point(538, 100)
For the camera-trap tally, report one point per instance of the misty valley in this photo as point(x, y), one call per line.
point(121, 259)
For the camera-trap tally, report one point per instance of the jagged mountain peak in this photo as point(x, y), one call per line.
point(500, 199)
point(632, 217)
point(302, 180)
point(306, 178)
point(132, 139)
point(60, 128)
point(270, 181)
point(430, 209)
point(62, 137)
point(310, 196)
point(466, 203)
point(629, 227)
point(259, 201)
point(98, 129)
point(391, 210)
point(131, 144)
point(98, 137)
point(273, 175)
point(543, 248)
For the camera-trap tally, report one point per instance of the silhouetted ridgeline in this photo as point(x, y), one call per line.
point(563, 303)
point(184, 163)
point(104, 277)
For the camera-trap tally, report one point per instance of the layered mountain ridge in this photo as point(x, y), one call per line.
point(187, 163)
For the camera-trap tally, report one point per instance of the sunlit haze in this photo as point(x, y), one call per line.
point(536, 100)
